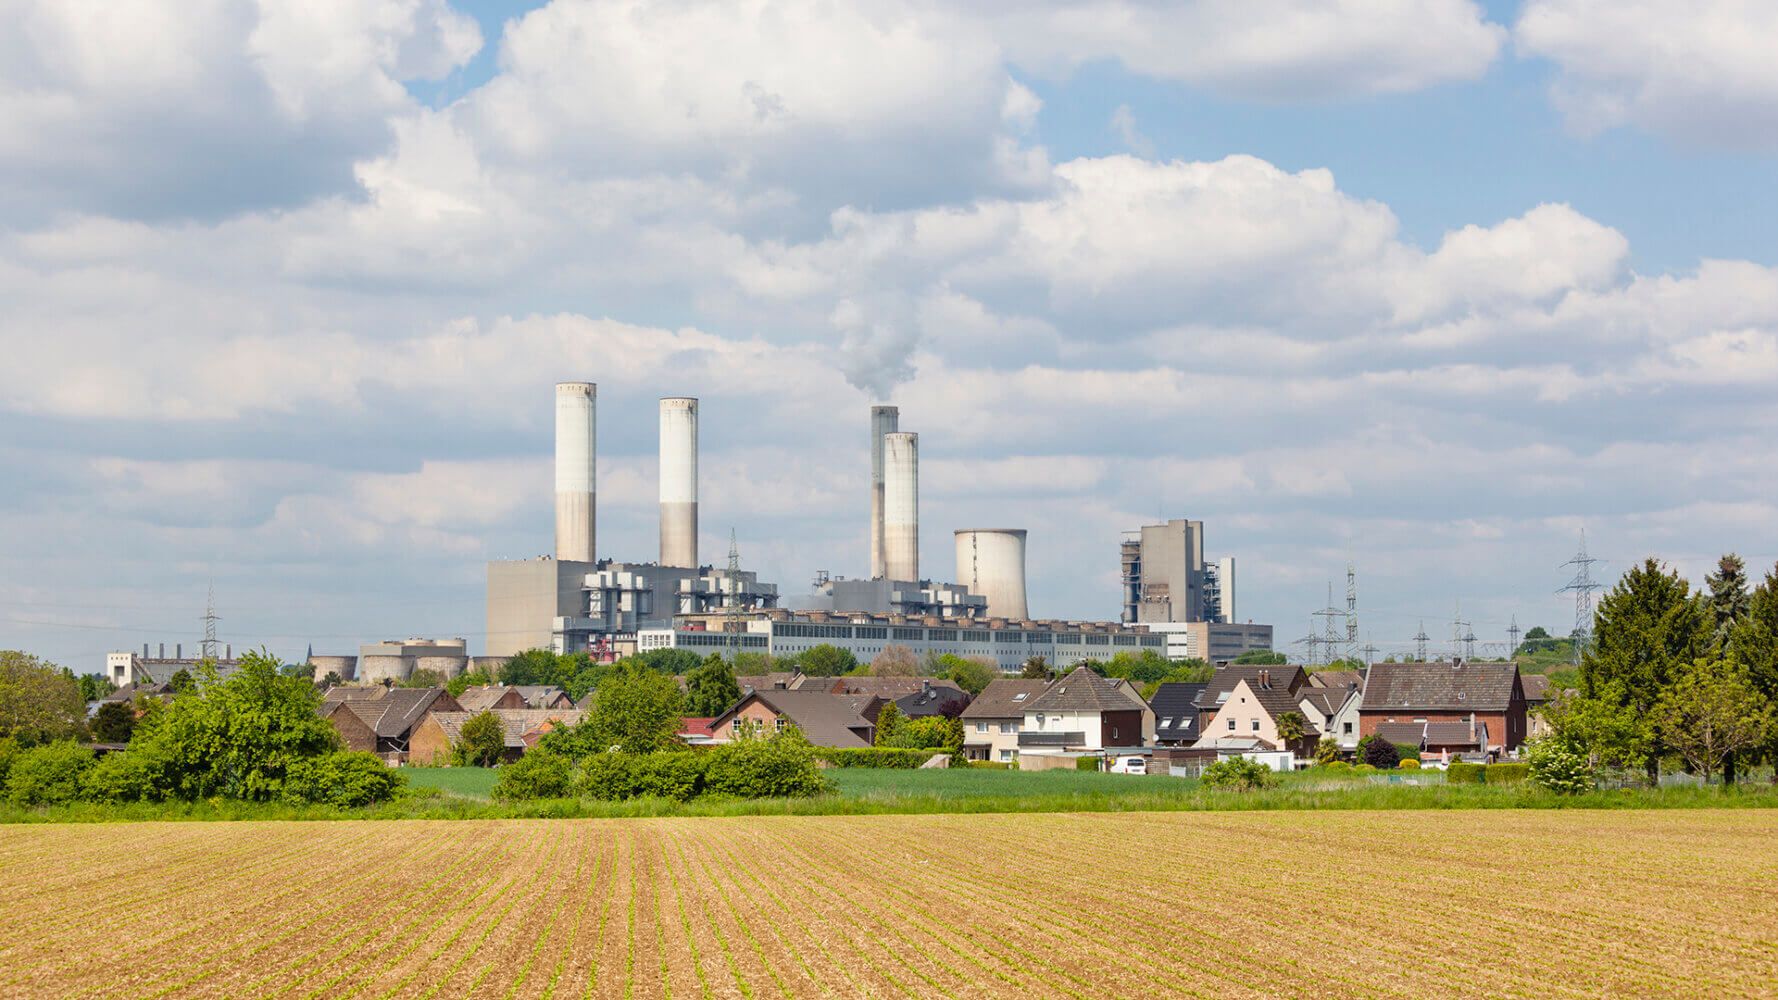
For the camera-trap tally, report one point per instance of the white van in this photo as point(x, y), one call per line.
point(1128, 764)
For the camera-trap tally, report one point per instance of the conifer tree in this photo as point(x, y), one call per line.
point(1648, 627)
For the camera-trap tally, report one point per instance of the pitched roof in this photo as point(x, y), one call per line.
point(1339, 679)
point(1537, 687)
point(1085, 691)
point(353, 692)
point(829, 720)
point(693, 725)
point(768, 682)
point(1259, 677)
point(486, 696)
point(1278, 701)
point(1005, 698)
point(516, 722)
point(1446, 686)
point(1176, 702)
point(399, 709)
point(539, 695)
point(1327, 701)
point(1457, 734)
point(1411, 734)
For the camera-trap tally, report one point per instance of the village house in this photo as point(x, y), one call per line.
point(488, 696)
point(437, 734)
point(1084, 711)
point(992, 722)
point(381, 720)
point(1537, 695)
point(1489, 696)
point(1247, 720)
point(828, 720)
point(1334, 710)
point(1175, 706)
point(1222, 684)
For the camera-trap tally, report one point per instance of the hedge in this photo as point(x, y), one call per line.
point(1086, 763)
point(994, 765)
point(771, 768)
point(892, 757)
point(1506, 774)
point(1463, 773)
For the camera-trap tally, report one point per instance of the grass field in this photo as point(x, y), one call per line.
point(1528, 904)
point(474, 782)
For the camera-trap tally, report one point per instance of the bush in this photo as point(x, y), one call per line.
point(1409, 764)
point(130, 776)
point(481, 742)
point(1238, 774)
point(1086, 763)
point(1334, 765)
point(48, 775)
point(1380, 754)
point(673, 775)
point(890, 757)
point(611, 776)
point(1506, 774)
point(780, 767)
point(539, 774)
point(1407, 752)
point(1365, 769)
point(9, 752)
point(345, 778)
point(1327, 751)
point(1463, 773)
point(994, 765)
point(1555, 766)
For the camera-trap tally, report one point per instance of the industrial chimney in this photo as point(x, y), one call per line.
point(679, 481)
point(901, 506)
point(991, 562)
point(883, 421)
point(576, 457)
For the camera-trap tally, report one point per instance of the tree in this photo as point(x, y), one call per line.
point(1606, 730)
point(234, 738)
point(1537, 632)
point(1036, 669)
point(1380, 754)
point(638, 710)
point(895, 661)
point(1755, 643)
point(1712, 712)
point(423, 679)
point(889, 724)
point(826, 660)
point(39, 701)
point(1238, 774)
point(668, 661)
point(712, 688)
point(114, 722)
point(333, 680)
point(1728, 598)
point(971, 673)
point(1146, 667)
point(49, 775)
point(182, 681)
point(1291, 727)
point(1327, 751)
point(1648, 627)
point(1558, 767)
point(1262, 657)
point(93, 686)
point(482, 741)
point(466, 680)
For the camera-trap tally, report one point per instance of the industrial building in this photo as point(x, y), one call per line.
point(1212, 642)
point(1007, 642)
point(1171, 587)
point(890, 597)
point(128, 667)
point(574, 601)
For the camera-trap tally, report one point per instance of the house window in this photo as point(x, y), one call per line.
point(981, 727)
point(1006, 755)
point(1348, 731)
point(780, 723)
point(1256, 725)
point(1009, 727)
point(1231, 725)
point(1167, 723)
point(1114, 732)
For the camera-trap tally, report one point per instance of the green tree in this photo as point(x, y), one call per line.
point(1729, 601)
point(1327, 751)
point(1036, 669)
point(1607, 730)
point(712, 688)
point(1145, 667)
point(48, 775)
point(1558, 767)
point(234, 738)
point(1755, 643)
point(423, 679)
point(39, 701)
point(889, 725)
point(638, 709)
point(971, 673)
point(114, 722)
point(94, 686)
point(668, 661)
point(826, 660)
point(468, 679)
point(1712, 712)
point(1262, 657)
point(482, 741)
point(1648, 627)
point(1292, 727)
point(182, 681)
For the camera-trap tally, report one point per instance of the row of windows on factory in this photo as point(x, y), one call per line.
point(791, 630)
point(721, 639)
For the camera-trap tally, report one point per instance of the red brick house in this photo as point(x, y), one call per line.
point(1489, 697)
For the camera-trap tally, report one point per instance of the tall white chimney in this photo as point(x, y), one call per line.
point(679, 481)
point(576, 461)
point(901, 506)
point(883, 421)
point(991, 562)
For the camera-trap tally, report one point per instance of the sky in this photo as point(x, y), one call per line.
point(1426, 286)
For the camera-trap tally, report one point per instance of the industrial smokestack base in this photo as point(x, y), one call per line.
point(883, 421)
point(576, 464)
point(991, 562)
point(679, 481)
point(901, 506)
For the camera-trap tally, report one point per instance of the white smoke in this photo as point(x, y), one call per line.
point(877, 344)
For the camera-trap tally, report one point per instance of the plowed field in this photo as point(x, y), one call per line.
point(1415, 904)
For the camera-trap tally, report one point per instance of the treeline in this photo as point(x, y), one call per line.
point(255, 737)
point(1671, 673)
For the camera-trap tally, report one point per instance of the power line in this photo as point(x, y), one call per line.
point(1582, 587)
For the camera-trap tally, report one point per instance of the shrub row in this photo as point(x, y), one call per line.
point(1463, 773)
point(65, 772)
point(778, 767)
point(891, 757)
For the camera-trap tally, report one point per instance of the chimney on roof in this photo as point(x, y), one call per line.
point(178, 651)
point(1265, 679)
point(163, 651)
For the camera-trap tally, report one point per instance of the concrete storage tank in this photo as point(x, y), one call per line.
point(377, 669)
point(445, 665)
point(344, 667)
point(883, 421)
point(679, 481)
point(576, 476)
point(991, 562)
point(901, 506)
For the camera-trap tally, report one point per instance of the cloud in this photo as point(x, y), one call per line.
point(1701, 73)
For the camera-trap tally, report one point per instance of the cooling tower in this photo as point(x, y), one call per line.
point(576, 457)
point(679, 481)
point(991, 562)
point(883, 421)
point(901, 506)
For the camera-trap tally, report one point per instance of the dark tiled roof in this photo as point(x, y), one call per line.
point(1001, 699)
point(1457, 734)
point(1085, 691)
point(515, 721)
point(1176, 702)
point(915, 696)
point(1459, 687)
point(1340, 679)
point(828, 720)
point(1537, 687)
point(1410, 734)
point(1288, 678)
point(399, 709)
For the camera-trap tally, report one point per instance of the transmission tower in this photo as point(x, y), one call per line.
point(210, 620)
point(1468, 641)
point(1351, 610)
point(1512, 639)
point(1458, 627)
point(1582, 586)
point(734, 622)
point(1313, 642)
point(1370, 652)
point(1331, 637)
point(1420, 640)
